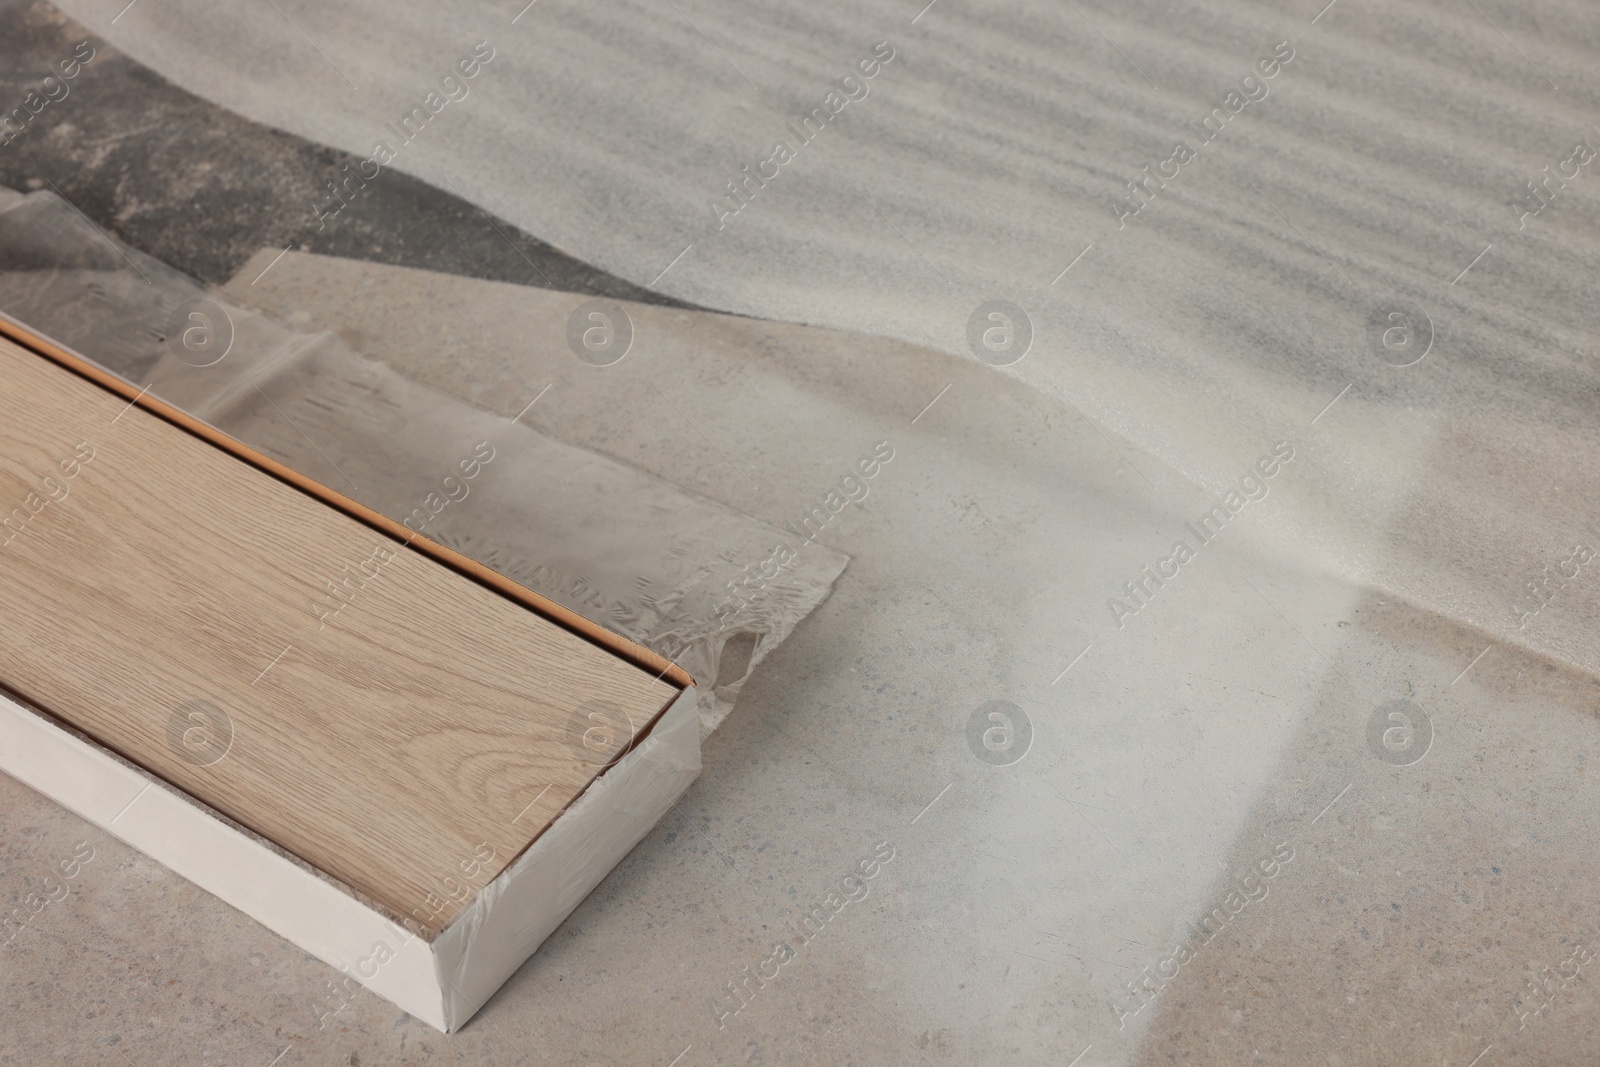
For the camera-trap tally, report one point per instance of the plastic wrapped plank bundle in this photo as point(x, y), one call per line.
point(620, 547)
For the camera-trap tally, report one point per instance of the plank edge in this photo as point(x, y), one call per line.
point(571, 621)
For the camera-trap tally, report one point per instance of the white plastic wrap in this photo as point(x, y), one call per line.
point(443, 982)
point(515, 913)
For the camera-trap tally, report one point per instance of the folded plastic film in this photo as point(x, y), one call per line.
point(657, 564)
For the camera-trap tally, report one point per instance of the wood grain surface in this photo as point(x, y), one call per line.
point(387, 719)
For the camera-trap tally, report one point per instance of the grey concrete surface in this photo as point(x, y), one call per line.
point(1439, 905)
point(1228, 717)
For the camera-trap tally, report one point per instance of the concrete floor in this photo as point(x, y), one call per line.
point(1225, 720)
point(1438, 906)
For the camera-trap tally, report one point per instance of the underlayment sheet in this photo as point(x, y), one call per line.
point(680, 574)
point(997, 144)
point(1004, 154)
point(1410, 499)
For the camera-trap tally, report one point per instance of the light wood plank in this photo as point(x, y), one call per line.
point(396, 743)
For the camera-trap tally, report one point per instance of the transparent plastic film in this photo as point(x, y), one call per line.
point(685, 576)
